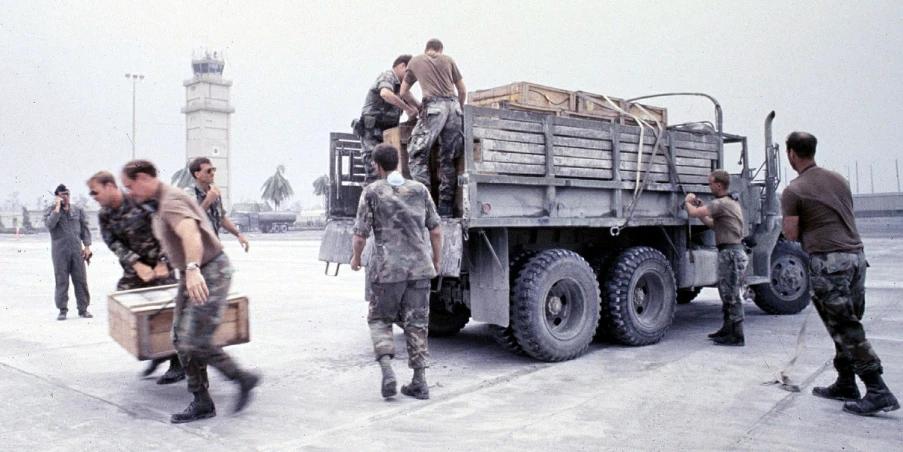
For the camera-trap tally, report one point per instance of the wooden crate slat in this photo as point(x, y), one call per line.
point(507, 135)
point(507, 124)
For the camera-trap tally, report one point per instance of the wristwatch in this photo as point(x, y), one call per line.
point(192, 266)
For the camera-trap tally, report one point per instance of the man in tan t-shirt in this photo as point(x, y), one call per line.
point(440, 118)
point(187, 238)
point(725, 216)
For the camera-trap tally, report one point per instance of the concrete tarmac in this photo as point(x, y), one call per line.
point(68, 386)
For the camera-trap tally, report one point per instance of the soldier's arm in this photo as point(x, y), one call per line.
point(51, 217)
point(127, 257)
point(357, 247)
point(85, 230)
point(791, 227)
point(405, 92)
point(462, 92)
point(436, 242)
point(227, 225)
point(391, 98)
point(190, 236)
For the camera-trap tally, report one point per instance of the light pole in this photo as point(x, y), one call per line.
point(135, 78)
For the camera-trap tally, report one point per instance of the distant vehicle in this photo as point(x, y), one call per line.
point(260, 217)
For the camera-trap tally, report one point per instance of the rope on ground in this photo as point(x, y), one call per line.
point(781, 377)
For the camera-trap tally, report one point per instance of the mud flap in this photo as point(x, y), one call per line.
point(335, 246)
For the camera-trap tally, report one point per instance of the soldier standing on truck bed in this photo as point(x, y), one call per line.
point(818, 210)
point(725, 216)
point(210, 198)
point(440, 118)
point(399, 212)
point(382, 110)
point(126, 229)
point(188, 240)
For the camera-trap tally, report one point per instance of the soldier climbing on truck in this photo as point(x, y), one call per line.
point(572, 224)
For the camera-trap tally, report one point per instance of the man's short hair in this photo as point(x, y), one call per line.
point(103, 178)
point(60, 188)
point(803, 144)
point(722, 177)
point(402, 59)
point(386, 156)
point(135, 167)
point(434, 44)
point(195, 165)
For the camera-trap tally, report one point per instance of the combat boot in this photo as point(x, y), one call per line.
point(418, 387)
point(877, 397)
point(843, 389)
point(445, 209)
point(733, 337)
point(725, 329)
point(247, 381)
point(389, 385)
point(173, 374)
point(200, 408)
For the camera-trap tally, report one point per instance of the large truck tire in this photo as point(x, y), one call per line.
point(640, 296)
point(446, 320)
point(504, 336)
point(787, 291)
point(555, 305)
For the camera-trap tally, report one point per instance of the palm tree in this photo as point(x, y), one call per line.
point(182, 178)
point(276, 188)
point(321, 188)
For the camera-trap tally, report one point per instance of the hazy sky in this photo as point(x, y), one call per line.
point(300, 70)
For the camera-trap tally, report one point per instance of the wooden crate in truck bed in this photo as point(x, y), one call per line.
point(526, 96)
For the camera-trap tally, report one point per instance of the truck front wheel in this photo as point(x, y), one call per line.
point(787, 291)
point(555, 305)
point(641, 296)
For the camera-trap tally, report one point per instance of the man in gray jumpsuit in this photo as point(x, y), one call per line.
point(68, 226)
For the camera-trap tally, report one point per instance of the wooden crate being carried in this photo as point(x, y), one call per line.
point(141, 320)
point(526, 96)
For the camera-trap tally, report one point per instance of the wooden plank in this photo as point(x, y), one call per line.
point(706, 155)
point(582, 163)
point(506, 135)
point(581, 143)
point(663, 168)
point(602, 133)
point(510, 157)
point(564, 151)
point(586, 173)
point(511, 146)
point(505, 124)
point(510, 168)
point(680, 161)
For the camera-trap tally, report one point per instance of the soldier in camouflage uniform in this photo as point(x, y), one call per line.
point(405, 258)
point(126, 228)
point(382, 110)
point(818, 210)
point(68, 226)
point(187, 238)
point(725, 216)
point(210, 198)
point(440, 118)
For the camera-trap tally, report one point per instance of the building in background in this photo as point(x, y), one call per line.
point(208, 118)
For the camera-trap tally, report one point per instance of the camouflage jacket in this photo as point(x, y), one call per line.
point(400, 214)
point(215, 212)
point(127, 232)
point(385, 114)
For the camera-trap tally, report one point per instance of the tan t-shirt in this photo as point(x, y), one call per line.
point(175, 206)
point(437, 75)
point(727, 217)
point(824, 203)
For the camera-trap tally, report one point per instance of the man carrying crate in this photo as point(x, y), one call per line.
point(126, 229)
point(184, 231)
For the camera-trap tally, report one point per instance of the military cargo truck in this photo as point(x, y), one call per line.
point(254, 216)
point(571, 228)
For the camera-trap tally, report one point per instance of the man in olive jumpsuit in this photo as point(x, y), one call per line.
point(68, 226)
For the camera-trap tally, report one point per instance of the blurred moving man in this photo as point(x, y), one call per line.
point(382, 110)
point(725, 216)
point(126, 229)
point(68, 226)
point(406, 256)
point(818, 211)
point(188, 241)
point(440, 118)
point(210, 198)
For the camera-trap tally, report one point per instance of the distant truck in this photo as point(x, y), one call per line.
point(570, 228)
point(255, 216)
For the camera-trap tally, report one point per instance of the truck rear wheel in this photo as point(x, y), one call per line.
point(787, 291)
point(641, 296)
point(555, 305)
point(446, 319)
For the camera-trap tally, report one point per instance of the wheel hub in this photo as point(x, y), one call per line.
point(555, 305)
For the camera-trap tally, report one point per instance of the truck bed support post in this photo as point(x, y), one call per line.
point(616, 168)
point(551, 200)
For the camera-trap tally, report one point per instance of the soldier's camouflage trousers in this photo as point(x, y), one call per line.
point(838, 293)
point(409, 302)
point(444, 121)
point(193, 327)
point(369, 140)
point(731, 270)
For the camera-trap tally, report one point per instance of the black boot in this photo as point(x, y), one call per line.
point(445, 209)
point(418, 387)
point(877, 397)
point(200, 408)
point(246, 382)
point(733, 337)
point(389, 385)
point(153, 366)
point(725, 329)
point(843, 389)
point(173, 374)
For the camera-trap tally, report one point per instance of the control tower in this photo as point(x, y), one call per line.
point(208, 118)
